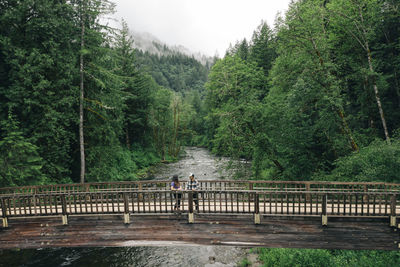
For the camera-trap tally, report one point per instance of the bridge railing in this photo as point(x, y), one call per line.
point(207, 185)
point(266, 203)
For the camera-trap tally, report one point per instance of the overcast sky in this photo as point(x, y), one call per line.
point(206, 26)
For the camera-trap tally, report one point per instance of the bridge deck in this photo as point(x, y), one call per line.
point(359, 216)
point(88, 231)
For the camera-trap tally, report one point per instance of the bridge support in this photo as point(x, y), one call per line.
point(191, 217)
point(5, 222)
point(324, 220)
point(64, 219)
point(127, 218)
point(393, 211)
point(393, 221)
point(64, 210)
point(324, 216)
point(190, 199)
point(257, 217)
point(4, 211)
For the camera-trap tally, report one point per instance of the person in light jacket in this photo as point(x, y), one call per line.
point(193, 184)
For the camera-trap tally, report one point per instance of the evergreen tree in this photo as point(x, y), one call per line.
point(262, 48)
point(37, 71)
point(20, 163)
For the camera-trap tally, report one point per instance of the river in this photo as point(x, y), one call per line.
point(194, 160)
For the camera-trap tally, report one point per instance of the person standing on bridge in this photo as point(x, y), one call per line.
point(192, 184)
point(176, 187)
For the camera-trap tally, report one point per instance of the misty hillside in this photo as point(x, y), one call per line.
point(149, 43)
point(172, 67)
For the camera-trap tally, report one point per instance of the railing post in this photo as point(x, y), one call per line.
point(251, 186)
point(257, 217)
point(4, 211)
point(190, 199)
point(140, 189)
point(365, 197)
point(34, 199)
point(308, 187)
point(64, 210)
point(393, 211)
point(324, 210)
point(127, 219)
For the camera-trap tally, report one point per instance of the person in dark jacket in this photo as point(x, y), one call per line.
point(176, 187)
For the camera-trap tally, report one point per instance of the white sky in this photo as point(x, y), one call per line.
point(203, 26)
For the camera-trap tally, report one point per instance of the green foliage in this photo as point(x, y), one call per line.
point(20, 163)
point(376, 162)
point(174, 70)
point(295, 257)
point(112, 164)
point(40, 51)
point(37, 82)
point(234, 93)
point(299, 101)
point(186, 76)
point(318, 257)
point(144, 157)
point(326, 64)
point(244, 263)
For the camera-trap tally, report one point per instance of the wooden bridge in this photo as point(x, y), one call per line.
point(249, 213)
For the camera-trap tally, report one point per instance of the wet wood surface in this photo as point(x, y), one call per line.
point(298, 232)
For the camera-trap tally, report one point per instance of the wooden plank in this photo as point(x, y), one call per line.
point(207, 230)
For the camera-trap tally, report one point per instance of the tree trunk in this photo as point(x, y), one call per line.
point(340, 111)
point(81, 136)
point(378, 100)
point(128, 142)
point(176, 149)
point(371, 68)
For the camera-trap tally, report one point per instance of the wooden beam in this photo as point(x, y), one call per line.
point(98, 231)
point(4, 212)
point(393, 210)
point(126, 209)
point(64, 210)
point(190, 203)
point(324, 216)
point(257, 217)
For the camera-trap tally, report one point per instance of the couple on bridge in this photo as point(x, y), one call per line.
point(190, 185)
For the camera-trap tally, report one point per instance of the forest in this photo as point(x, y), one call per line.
point(316, 97)
point(79, 104)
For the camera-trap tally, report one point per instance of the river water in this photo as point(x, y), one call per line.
point(204, 165)
point(195, 160)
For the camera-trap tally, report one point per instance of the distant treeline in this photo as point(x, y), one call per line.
point(318, 97)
